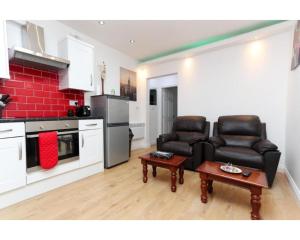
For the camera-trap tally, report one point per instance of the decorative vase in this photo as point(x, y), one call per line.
point(103, 76)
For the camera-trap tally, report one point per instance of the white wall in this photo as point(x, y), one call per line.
point(293, 130)
point(55, 31)
point(248, 78)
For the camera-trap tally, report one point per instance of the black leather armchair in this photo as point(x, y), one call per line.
point(187, 137)
point(241, 140)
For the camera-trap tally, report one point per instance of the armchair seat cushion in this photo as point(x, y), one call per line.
point(177, 147)
point(242, 156)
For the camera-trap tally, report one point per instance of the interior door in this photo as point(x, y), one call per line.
point(153, 120)
point(164, 107)
point(169, 108)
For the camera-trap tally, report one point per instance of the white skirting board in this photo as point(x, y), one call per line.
point(292, 183)
point(34, 189)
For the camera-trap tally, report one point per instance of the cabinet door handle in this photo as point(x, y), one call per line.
point(6, 130)
point(82, 142)
point(91, 80)
point(20, 151)
point(91, 124)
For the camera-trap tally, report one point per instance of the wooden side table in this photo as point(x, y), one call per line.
point(173, 164)
point(210, 171)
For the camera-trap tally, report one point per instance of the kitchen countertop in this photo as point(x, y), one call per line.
point(8, 120)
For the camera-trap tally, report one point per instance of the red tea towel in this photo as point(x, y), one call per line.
point(48, 147)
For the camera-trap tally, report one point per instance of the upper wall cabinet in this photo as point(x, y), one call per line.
point(4, 63)
point(80, 74)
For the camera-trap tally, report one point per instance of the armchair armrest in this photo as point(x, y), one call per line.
point(264, 146)
point(206, 130)
point(196, 140)
point(216, 141)
point(167, 137)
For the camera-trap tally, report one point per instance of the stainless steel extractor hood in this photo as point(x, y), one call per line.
point(32, 53)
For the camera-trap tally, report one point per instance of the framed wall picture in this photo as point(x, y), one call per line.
point(128, 83)
point(296, 47)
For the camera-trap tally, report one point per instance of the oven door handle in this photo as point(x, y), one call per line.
point(58, 133)
point(68, 132)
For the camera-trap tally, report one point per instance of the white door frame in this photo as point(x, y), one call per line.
point(147, 137)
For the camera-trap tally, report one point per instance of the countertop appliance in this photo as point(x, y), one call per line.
point(115, 112)
point(68, 144)
point(83, 111)
point(4, 100)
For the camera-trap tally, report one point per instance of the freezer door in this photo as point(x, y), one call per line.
point(117, 111)
point(117, 145)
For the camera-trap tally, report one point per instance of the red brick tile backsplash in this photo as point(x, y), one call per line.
point(35, 94)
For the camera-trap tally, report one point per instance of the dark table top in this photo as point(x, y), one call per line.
point(8, 120)
point(257, 177)
point(175, 161)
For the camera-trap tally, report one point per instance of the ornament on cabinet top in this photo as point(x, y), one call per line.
point(103, 76)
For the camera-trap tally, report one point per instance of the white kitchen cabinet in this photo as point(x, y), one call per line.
point(80, 74)
point(12, 156)
point(90, 142)
point(4, 62)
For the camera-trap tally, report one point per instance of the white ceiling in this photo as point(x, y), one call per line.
point(154, 36)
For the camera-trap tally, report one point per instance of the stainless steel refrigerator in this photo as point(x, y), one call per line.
point(115, 113)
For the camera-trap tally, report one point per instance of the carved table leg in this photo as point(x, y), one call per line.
point(173, 180)
point(255, 202)
point(210, 186)
point(153, 171)
point(181, 172)
point(145, 171)
point(203, 188)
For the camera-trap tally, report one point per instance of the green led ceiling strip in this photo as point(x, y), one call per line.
point(211, 40)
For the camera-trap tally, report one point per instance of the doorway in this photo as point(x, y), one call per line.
point(169, 108)
point(162, 109)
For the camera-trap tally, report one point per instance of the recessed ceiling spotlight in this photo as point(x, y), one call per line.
point(131, 41)
point(101, 22)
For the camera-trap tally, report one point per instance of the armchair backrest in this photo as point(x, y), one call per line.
point(240, 130)
point(189, 127)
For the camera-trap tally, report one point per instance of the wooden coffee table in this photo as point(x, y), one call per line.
point(210, 171)
point(176, 162)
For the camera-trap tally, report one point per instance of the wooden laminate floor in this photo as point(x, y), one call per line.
point(119, 193)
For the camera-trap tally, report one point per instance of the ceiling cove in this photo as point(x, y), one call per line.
point(210, 40)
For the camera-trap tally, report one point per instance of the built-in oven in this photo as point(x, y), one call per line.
point(67, 138)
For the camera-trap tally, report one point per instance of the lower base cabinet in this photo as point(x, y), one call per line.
point(91, 143)
point(17, 185)
point(12, 163)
